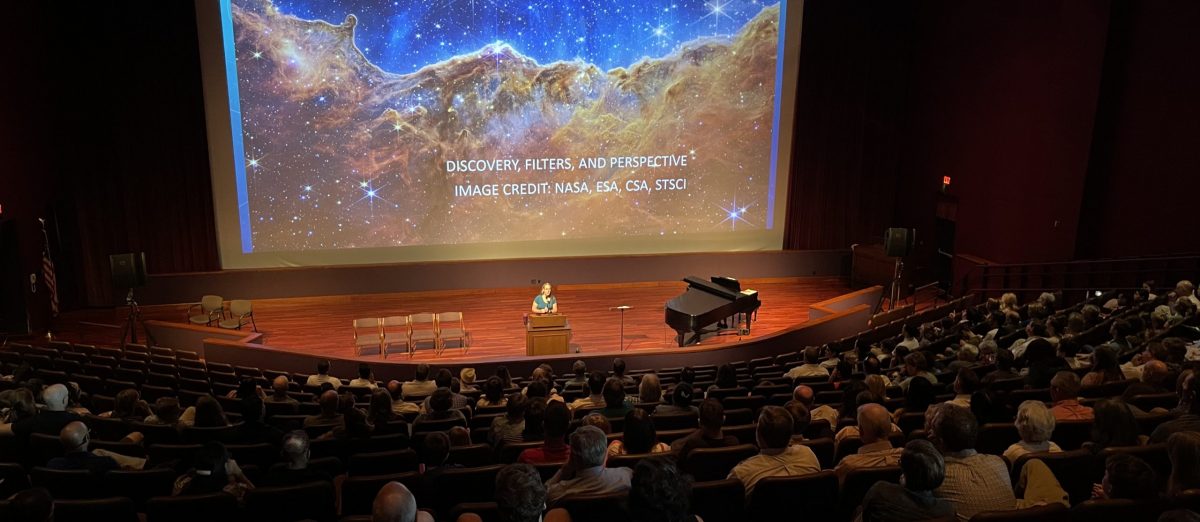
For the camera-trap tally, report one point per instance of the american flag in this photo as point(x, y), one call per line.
point(48, 274)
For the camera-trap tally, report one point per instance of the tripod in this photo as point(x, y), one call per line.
point(132, 320)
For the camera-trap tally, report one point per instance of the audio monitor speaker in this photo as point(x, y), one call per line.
point(128, 270)
point(898, 242)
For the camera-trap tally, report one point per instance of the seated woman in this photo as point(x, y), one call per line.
point(214, 472)
point(1114, 426)
point(640, 436)
point(493, 393)
point(1105, 368)
point(1034, 423)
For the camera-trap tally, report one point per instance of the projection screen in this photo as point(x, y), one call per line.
point(376, 131)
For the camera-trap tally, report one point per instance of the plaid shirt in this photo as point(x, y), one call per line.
point(975, 483)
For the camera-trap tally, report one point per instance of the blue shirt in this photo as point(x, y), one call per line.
point(543, 303)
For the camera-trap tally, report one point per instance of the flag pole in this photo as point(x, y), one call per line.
point(49, 278)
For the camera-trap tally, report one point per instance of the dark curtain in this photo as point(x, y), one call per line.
point(850, 102)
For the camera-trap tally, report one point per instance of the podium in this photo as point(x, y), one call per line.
point(547, 335)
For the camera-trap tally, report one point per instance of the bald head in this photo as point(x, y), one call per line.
point(328, 401)
point(55, 397)
point(74, 437)
point(1154, 372)
point(804, 395)
point(280, 385)
point(874, 423)
point(394, 503)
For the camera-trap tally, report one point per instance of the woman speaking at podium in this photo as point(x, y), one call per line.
point(545, 303)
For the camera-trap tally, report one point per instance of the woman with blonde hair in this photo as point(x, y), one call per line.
point(1035, 423)
point(545, 302)
point(1008, 303)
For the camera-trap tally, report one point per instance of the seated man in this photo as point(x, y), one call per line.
point(420, 385)
point(279, 392)
point(965, 384)
point(399, 405)
point(1126, 477)
point(296, 456)
point(323, 377)
point(329, 415)
point(444, 379)
point(521, 497)
point(435, 454)
point(1064, 392)
point(1153, 379)
point(440, 407)
point(800, 420)
point(681, 401)
point(618, 372)
point(807, 396)
point(595, 399)
point(365, 378)
point(811, 367)
point(912, 500)
point(581, 376)
point(777, 457)
point(585, 473)
point(53, 416)
point(874, 427)
point(554, 448)
point(712, 417)
point(252, 429)
point(1189, 398)
point(615, 406)
point(75, 439)
point(395, 503)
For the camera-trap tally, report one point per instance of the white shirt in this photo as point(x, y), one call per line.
point(365, 383)
point(318, 379)
point(807, 370)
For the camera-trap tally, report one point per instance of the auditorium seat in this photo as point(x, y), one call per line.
point(595, 508)
point(139, 485)
point(811, 495)
point(262, 455)
point(750, 402)
point(471, 456)
point(736, 416)
point(115, 509)
point(1070, 435)
point(719, 500)
point(1045, 513)
point(311, 501)
point(486, 511)
point(858, 481)
point(716, 463)
point(818, 429)
point(745, 433)
point(509, 451)
point(12, 479)
point(454, 485)
point(179, 456)
point(192, 508)
point(631, 461)
point(1119, 510)
point(996, 437)
point(67, 484)
point(1153, 454)
point(823, 448)
point(382, 463)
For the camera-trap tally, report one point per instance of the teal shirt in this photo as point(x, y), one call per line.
point(543, 303)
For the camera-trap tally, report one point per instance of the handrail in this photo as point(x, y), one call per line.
point(1111, 274)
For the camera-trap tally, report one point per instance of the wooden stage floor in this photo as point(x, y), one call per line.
point(321, 325)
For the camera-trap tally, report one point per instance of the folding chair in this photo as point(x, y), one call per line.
point(395, 334)
point(367, 334)
point(450, 327)
point(423, 331)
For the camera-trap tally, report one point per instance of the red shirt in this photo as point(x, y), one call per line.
point(544, 454)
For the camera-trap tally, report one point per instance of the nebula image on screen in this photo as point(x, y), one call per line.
point(373, 123)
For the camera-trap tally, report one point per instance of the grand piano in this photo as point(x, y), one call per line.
point(705, 303)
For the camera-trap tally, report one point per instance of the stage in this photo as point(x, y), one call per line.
point(321, 326)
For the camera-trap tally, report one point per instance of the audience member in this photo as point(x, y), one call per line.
point(15, 405)
point(127, 406)
point(580, 372)
point(395, 503)
point(615, 406)
point(521, 496)
point(508, 427)
point(1183, 448)
point(800, 420)
point(52, 417)
point(252, 429)
point(460, 436)
point(441, 405)
point(640, 436)
point(1004, 366)
point(965, 384)
point(399, 405)
point(712, 417)
point(585, 473)
point(599, 421)
point(1034, 424)
point(1105, 368)
point(659, 492)
point(974, 482)
point(329, 414)
point(504, 376)
point(30, 505)
point(805, 395)
point(681, 401)
point(595, 388)
point(420, 386)
point(917, 365)
point(365, 378)
point(444, 379)
point(381, 414)
point(1189, 420)
point(75, 438)
point(874, 427)
point(493, 394)
point(214, 472)
point(295, 469)
point(466, 379)
point(811, 366)
point(1042, 363)
point(777, 457)
point(555, 421)
point(1064, 391)
point(435, 457)
point(535, 415)
point(210, 414)
point(923, 471)
point(322, 377)
point(1113, 426)
point(649, 389)
point(279, 392)
point(618, 372)
point(1126, 477)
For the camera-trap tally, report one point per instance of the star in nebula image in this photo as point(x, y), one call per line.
point(373, 123)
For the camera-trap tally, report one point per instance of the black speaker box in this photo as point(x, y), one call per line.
point(898, 242)
point(128, 270)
